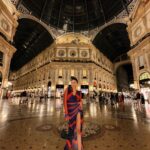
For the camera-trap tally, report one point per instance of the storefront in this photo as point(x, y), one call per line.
point(59, 90)
point(144, 82)
point(84, 90)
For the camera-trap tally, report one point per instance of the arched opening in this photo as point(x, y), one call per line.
point(49, 84)
point(0, 83)
point(0, 78)
point(1, 58)
point(113, 41)
point(30, 39)
point(124, 75)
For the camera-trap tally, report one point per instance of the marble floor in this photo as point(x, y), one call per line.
point(35, 126)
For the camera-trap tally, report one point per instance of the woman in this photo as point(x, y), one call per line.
point(74, 116)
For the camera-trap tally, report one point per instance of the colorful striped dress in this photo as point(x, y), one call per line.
point(74, 112)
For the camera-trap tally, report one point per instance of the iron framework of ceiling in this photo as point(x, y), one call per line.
point(77, 15)
point(31, 38)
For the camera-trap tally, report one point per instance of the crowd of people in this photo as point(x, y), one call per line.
point(101, 97)
point(118, 97)
point(26, 97)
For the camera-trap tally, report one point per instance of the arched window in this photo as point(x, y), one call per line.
point(0, 78)
point(1, 59)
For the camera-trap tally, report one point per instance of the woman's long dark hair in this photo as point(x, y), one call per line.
point(74, 78)
point(69, 86)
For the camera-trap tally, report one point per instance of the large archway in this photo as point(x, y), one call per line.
point(113, 41)
point(124, 76)
point(31, 38)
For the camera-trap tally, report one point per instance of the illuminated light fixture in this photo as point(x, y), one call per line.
point(9, 84)
point(131, 85)
point(65, 27)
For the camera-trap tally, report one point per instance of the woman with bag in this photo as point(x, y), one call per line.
point(74, 116)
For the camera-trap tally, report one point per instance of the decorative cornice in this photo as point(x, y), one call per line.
point(6, 47)
point(145, 41)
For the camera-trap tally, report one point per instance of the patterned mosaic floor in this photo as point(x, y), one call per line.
point(35, 126)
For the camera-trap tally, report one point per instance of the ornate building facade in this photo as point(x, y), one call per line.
point(73, 54)
point(8, 24)
point(139, 30)
point(70, 55)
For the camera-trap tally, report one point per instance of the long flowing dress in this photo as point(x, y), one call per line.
point(73, 109)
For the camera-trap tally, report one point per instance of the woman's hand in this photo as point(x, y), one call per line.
point(66, 117)
point(81, 105)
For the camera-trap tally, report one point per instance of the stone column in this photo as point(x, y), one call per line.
point(7, 61)
point(135, 75)
point(146, 59)
point(6, 68)
point(8, 51)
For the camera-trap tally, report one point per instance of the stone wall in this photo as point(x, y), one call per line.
point(139, 33)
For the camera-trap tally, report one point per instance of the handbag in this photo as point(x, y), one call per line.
point(67, 135)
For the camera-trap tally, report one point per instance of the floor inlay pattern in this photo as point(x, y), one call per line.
point(90, 130)
point(111, 127)
point(35, 127)
point(45, 127)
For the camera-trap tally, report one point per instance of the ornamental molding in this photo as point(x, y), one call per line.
point(123, 18)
